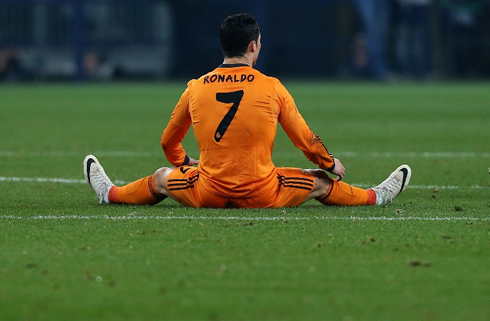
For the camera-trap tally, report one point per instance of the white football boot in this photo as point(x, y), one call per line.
point(393, 185)
point(97, 178)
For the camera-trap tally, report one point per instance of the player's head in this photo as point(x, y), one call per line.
point(237, 33)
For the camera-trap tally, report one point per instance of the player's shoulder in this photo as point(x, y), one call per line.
point(273, 82)
point(192, 81)
point(277, 85)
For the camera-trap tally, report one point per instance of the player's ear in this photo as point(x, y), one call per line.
point(252, 46)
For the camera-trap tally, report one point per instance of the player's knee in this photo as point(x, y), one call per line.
point(322, 182)
point(160, 177)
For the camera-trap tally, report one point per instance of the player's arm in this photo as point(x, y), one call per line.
point(174, 133)
point(309, 143)
point(301, 135)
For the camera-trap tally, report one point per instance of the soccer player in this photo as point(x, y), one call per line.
point(234, 111)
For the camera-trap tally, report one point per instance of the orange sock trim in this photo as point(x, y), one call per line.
point(140, 192)
point(371, 200)
point(340, 193)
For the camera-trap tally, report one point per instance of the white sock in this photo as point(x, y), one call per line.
point(106, 196)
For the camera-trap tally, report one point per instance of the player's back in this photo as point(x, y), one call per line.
point(234, 111)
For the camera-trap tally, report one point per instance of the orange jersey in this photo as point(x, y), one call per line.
point(234, 111)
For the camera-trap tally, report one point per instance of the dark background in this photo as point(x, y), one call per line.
point(43, 40)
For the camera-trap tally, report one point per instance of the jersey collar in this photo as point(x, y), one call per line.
point(233, 65)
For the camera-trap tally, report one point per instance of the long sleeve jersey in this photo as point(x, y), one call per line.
point(234, 111)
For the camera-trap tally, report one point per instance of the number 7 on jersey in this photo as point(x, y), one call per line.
point(234, 98)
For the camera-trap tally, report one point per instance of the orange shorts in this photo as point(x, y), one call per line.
point(293, 186)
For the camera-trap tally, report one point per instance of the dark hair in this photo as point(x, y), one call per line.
point(236, 32)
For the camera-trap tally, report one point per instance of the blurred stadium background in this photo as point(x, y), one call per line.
point(79, 40)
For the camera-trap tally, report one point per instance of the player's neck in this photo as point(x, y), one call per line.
point(238, 60)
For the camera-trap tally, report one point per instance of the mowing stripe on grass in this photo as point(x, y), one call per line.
point(119, 182)
point(50, 180)
point(6, 153)
point(240, 218)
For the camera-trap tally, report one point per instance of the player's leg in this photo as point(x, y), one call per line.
point(141, 192)
point(182, 184)
point(297, 186)
point(292, 188)
point(330, 191)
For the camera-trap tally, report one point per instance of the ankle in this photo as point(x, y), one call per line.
point(371, 199)
point(112, 195)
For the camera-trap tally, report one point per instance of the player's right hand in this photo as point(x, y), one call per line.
point(339, 169)
point(193, 161)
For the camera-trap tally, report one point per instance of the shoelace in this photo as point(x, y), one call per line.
point(100, 178)
point(390, 186)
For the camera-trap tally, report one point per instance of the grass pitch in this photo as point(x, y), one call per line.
point(424, 257)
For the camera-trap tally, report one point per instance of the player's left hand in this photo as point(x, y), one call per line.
point(339, 169)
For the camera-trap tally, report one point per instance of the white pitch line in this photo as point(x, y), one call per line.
point(120, 182)
point(41, 180)
point(240, 218)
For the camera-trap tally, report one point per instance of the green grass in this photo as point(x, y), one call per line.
point(424, 257)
